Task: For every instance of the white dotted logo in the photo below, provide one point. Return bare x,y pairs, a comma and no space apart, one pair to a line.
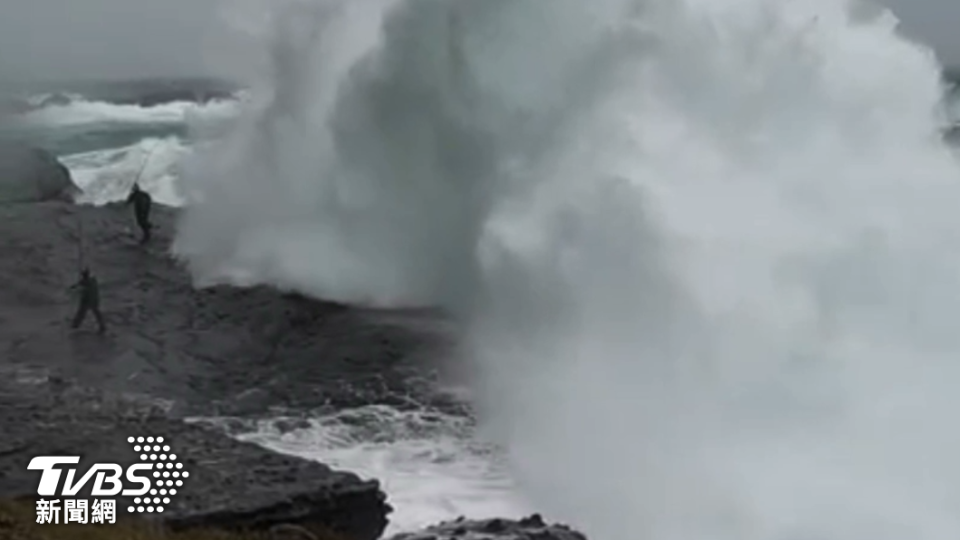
168,473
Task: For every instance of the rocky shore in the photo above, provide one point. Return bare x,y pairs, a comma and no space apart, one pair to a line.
172,351
529,528
215,351
231,485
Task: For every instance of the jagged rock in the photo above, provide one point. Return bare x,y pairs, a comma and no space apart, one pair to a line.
222,350
231,485
528,528
32,175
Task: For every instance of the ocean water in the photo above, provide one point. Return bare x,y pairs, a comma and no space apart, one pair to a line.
107,146
706,251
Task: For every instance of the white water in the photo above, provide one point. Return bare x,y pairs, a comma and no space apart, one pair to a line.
109,175
753,334
720,270
81,112
428,463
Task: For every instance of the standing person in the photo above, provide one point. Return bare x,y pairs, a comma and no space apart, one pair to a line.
89,300
141,208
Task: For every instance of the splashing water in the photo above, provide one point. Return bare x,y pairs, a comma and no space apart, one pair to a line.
708,251
108,175
427,462
107,146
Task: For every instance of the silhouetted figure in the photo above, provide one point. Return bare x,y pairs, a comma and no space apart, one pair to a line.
141,208
89,300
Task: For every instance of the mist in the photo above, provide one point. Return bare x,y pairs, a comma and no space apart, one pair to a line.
704,252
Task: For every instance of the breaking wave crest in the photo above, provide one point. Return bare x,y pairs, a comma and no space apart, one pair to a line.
707,250
107,145
108,175
81,112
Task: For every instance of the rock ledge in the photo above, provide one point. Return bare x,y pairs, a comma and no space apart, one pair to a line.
528,528
231,484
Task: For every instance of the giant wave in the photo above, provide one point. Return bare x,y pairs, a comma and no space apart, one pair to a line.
705,251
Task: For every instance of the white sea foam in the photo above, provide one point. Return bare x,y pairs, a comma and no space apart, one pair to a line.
429,464
720,299
108,175
79,112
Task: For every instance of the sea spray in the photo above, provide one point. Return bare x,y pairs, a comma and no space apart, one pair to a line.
707,252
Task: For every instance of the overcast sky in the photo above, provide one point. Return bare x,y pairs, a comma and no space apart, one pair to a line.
103,38
138,38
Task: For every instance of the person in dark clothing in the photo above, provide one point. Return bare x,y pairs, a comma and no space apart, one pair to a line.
89,300
141,208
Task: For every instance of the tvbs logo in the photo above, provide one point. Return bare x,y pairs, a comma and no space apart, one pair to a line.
158,475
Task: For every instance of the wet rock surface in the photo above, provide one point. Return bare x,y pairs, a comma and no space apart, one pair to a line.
217,351
528,528
230,484
172,351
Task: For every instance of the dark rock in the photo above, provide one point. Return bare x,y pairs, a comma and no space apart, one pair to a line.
495,526
287,531
533,520
531,528
217,351
231,485
32,175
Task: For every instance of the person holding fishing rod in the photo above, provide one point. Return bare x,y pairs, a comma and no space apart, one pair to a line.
89,300
89,287
141,203
141,209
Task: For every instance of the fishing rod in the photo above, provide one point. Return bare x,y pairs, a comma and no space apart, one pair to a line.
81,257
81,252
146,160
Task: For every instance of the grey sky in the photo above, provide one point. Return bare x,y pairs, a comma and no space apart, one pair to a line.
934,22
103,38
140,38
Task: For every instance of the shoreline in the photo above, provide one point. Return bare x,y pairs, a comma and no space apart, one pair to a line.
232,485
172,352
